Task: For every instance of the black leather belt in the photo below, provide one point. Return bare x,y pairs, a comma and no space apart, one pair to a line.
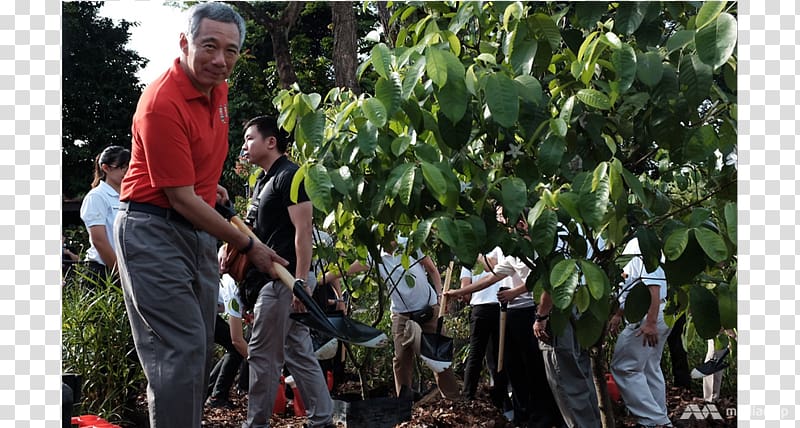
168,213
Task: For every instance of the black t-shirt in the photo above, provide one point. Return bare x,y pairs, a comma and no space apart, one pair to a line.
272,193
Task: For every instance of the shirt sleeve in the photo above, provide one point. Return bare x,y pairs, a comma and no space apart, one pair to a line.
93,210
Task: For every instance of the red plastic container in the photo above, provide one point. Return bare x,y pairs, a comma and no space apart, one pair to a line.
88,420
613,390
329,379
299,407
280,399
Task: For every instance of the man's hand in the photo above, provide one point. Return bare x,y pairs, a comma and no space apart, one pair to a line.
540,331
297,304
222,194
649,331
615,324
262,258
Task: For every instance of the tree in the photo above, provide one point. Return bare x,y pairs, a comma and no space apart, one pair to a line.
344,45
100,90
600,119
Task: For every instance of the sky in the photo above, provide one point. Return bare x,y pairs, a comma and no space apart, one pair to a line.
156,36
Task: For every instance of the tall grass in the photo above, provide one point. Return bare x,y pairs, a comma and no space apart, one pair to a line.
97,344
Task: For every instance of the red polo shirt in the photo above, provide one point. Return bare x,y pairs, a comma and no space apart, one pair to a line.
180,138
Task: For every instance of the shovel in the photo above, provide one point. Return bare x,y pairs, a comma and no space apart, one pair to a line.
335,325
436,349
501,345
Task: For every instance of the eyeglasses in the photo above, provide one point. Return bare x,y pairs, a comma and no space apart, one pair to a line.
118,166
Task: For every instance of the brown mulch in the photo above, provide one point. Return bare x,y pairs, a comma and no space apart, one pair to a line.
432,411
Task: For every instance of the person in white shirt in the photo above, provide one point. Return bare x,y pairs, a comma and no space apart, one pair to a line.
484,330
405,300
99,209
636,364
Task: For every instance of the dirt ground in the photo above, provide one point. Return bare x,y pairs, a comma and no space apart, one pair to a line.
436,412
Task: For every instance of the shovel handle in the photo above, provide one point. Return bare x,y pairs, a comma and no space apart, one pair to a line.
284,275
447,276
502,341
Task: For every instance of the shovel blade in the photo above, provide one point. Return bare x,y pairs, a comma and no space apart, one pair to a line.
436,350
343,328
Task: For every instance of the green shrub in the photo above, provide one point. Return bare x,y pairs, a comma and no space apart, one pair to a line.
97,344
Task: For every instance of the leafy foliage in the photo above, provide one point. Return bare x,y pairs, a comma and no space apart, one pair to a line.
609,117
97,344
100,90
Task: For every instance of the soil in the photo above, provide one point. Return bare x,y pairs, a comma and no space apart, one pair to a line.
432,411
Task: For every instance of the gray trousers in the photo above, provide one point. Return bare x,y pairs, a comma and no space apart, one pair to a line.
637,372
169,275
569,373
277,339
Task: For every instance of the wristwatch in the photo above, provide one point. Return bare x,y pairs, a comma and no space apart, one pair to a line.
542,317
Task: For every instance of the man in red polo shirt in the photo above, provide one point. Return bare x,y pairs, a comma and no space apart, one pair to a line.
166,230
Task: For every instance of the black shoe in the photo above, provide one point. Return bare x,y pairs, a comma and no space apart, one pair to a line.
220,403
711,366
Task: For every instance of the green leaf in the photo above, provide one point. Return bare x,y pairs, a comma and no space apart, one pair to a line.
650,248
676,243
558,126
562,293
342,180
522,56
367,137
512,10
679,40
401,181
389,91
543,232
545,26
629,16
562,271
715,43
412,76
702,144
529,89
596,280
633,182
713,244
649,69
704,308
381,58
730,221
318,186
550,153
455,135
624,60
708,12
582,299
514,197
589,329
453,99
311,131
502,99
593,205
698,216
637,303
297,181
594,98
728,310
375,112
400,145
697,77
434,180
436,65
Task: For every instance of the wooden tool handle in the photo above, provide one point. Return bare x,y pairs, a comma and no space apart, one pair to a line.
285,276
501,345
447,276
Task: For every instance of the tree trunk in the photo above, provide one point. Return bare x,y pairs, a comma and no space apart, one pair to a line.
345,59
279,33
599,370
389,31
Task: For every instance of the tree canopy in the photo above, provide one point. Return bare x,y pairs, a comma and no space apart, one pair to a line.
99,93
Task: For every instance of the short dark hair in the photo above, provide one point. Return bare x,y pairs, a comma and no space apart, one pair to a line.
267,126
216,12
